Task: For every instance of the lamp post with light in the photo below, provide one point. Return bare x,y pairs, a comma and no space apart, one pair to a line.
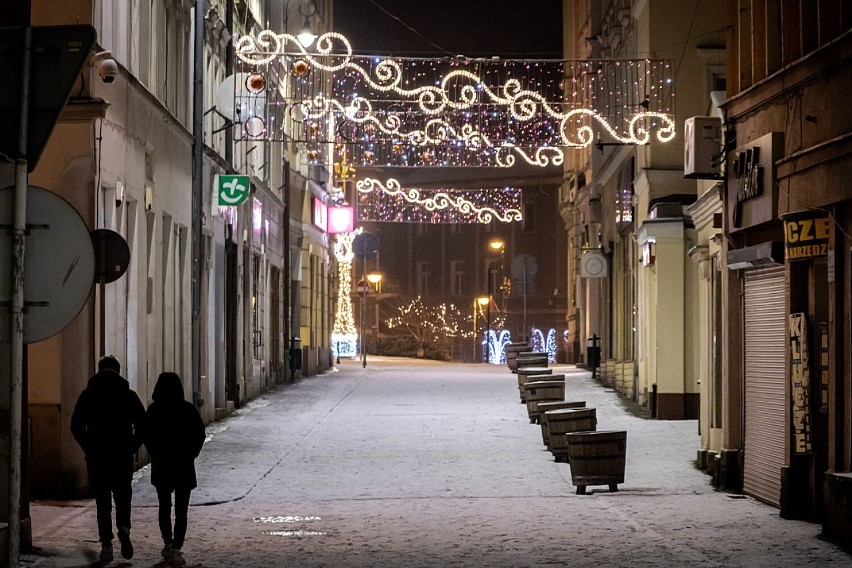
478,302
375,278
496,245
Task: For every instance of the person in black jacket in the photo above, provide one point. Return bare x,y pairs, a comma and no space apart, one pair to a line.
175,435
109,423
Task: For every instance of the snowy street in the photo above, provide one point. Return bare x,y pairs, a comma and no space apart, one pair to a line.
415,463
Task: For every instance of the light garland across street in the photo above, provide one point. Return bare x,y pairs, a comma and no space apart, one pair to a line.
389,201
393,111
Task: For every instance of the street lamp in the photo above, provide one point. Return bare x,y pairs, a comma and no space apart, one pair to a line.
496,244
478,302
375,278
306,35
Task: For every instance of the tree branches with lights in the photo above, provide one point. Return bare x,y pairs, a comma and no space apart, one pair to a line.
437,323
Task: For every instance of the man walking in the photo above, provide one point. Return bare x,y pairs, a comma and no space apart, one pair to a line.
108,423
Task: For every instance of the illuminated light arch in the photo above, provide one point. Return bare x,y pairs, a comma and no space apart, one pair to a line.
544,344
496,348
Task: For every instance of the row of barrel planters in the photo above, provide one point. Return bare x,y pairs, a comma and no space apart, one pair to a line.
568,428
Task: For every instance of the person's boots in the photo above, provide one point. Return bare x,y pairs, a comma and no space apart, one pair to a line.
106,553
126,545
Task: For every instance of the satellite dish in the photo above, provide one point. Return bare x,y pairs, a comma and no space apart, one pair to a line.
59,264
242,97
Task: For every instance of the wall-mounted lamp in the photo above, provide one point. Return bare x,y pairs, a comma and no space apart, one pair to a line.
306,35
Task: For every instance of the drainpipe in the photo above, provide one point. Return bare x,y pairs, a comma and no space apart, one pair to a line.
197,195
286,280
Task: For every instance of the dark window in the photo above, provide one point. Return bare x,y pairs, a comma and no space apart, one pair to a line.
529,216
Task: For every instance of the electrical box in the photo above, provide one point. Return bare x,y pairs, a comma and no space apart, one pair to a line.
702,144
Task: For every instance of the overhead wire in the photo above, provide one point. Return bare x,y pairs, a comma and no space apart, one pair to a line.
404,24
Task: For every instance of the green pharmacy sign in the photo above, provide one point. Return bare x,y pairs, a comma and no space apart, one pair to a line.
232,190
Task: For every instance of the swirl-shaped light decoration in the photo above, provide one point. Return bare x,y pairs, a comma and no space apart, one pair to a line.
597,96
435,205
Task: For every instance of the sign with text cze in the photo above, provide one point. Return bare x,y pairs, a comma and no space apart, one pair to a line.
805,235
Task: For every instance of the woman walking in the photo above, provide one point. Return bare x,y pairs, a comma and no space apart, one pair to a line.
175,435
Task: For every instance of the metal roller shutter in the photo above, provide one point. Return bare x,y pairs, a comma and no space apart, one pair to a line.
765,378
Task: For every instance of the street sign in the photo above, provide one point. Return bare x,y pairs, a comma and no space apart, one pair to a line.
58,56
232,190
59,265
112,255
362,288
365,246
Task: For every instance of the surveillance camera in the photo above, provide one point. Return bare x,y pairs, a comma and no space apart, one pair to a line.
107,67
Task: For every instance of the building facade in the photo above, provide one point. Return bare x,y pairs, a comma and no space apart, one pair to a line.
216,294
624,208
787,422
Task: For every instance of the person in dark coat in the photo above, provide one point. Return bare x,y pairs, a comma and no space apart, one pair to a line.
109,424
175,435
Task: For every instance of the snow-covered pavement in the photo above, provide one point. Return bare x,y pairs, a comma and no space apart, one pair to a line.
413,463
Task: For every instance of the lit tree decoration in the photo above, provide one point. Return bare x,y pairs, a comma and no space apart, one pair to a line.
389,201
437,112
344,336
429,323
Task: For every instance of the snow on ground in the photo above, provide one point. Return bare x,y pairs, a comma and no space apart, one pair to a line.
413,463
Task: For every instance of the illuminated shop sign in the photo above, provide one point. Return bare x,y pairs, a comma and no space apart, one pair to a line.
805,236
320,214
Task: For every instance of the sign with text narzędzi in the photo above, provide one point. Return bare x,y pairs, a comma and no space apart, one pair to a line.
232,189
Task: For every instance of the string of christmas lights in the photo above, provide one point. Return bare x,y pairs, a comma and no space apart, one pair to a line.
344,335
446,111
428,323
389,201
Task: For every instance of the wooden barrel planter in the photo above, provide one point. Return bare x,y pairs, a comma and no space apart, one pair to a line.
561,422
512,351
545,407
531,359
551,389
597,458
528,372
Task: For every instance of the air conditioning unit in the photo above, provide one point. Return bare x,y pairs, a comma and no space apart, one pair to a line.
702,140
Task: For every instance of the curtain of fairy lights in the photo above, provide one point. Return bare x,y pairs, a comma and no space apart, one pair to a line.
344,336
390,111
388,201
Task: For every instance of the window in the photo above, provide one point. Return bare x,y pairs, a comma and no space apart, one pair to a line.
456,277
422,277
529,216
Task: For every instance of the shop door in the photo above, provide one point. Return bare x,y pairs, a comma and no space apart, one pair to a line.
765,379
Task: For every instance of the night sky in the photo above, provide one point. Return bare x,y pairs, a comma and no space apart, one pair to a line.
483,28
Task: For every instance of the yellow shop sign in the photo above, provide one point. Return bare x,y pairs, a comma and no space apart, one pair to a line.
805,235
